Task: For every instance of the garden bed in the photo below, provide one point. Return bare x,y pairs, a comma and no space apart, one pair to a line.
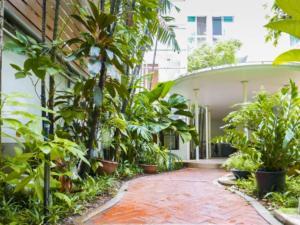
281,205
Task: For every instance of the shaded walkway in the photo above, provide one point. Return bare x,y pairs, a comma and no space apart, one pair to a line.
187,196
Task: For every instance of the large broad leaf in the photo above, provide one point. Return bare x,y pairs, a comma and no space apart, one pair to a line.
289,56
184,113
291,7
160,91
290,26
177,101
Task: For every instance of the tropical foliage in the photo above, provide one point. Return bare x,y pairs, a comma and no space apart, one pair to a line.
241,162
222,53
106,110
273,129
288,22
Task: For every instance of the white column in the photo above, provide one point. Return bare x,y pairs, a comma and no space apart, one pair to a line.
188,156
209,134
206,132
197,127
196,92
245,90
209,30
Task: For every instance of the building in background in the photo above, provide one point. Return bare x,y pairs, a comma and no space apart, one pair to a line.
202,21
213,91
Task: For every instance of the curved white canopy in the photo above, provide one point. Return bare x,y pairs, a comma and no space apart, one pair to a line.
220,88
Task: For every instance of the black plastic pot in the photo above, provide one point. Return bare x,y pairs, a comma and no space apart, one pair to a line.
240,174
268,181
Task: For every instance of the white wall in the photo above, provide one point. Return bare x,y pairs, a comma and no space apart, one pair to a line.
26,85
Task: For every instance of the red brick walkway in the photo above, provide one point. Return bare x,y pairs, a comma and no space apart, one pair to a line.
187,196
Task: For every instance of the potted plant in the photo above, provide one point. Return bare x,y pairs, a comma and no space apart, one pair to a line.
148,161
241,165
277,138
271,138
151,156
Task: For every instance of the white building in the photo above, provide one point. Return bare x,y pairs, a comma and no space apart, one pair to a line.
215,90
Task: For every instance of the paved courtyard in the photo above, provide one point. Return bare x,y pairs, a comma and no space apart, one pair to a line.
187,196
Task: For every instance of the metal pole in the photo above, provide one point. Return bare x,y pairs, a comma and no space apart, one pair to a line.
45,126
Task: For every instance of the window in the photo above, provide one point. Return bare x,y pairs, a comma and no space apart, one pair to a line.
228,19
217,25
191,19
170,140
201,25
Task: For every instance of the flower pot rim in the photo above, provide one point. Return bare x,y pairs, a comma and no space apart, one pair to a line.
269,172
108,161
144,164
238,170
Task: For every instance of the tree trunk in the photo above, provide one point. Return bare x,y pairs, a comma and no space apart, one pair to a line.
94,120
51,78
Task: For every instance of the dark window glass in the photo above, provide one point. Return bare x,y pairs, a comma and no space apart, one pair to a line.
217,25
170,140
201,25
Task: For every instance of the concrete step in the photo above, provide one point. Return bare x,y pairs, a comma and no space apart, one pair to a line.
214,163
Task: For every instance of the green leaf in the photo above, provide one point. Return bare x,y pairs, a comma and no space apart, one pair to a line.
289,26
13,46
291,7
288,137
160,91
46,149
64,198
20,186
16,67
28,64
289,56
184,113
20,75
12,122
38,189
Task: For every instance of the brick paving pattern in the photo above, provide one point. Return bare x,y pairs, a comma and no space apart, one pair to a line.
187,196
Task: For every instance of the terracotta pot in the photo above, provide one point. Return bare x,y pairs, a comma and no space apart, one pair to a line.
108,167
150,169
